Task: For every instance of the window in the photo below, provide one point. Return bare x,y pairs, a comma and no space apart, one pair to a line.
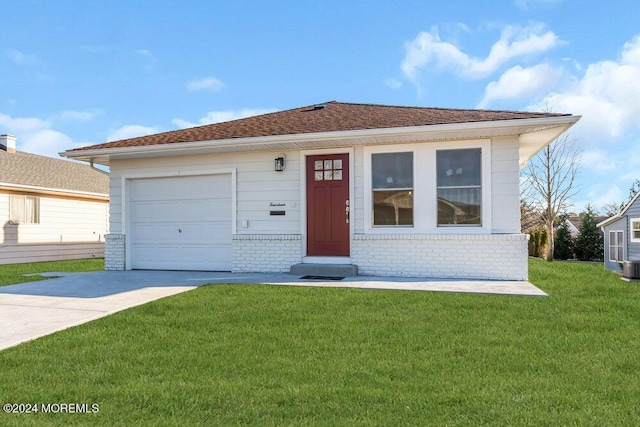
459,187
616,245
635,229
392,186
24,209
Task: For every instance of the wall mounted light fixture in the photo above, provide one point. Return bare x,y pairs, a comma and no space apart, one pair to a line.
279,163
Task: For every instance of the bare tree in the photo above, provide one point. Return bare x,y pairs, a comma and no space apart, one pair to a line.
549,181
529,217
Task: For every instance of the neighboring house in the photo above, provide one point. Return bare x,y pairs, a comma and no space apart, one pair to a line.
396,191
50,209
622,236
574,223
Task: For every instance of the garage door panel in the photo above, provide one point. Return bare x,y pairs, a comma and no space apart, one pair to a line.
153,233
180,223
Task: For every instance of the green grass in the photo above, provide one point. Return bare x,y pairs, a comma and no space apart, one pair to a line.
276,355
12,274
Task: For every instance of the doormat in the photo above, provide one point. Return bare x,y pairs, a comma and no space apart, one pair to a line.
321,278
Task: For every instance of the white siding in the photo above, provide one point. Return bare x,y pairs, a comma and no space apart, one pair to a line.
36,252
257,186
62,220
68,229
66,220
358,198
272,243
505,189
4,214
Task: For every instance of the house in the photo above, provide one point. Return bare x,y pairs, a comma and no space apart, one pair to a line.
395,191
574,222
50,209
622,236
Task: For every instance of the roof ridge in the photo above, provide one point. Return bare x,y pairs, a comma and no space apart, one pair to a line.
448,108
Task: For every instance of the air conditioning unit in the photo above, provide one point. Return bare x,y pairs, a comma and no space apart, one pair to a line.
631,270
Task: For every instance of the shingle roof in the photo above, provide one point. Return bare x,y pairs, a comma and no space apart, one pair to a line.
328,117
28,169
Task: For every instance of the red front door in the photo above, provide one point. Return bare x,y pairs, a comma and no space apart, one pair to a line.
328,205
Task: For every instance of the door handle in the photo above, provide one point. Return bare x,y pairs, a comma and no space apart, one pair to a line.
346,211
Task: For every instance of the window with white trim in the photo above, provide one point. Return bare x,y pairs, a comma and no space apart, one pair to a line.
616,245
459,187
24,209
392,188
634,225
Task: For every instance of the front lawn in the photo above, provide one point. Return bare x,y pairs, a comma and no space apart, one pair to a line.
12,274
277,355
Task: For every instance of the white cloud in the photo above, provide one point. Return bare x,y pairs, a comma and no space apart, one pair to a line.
393,83
607,95
211,84
223,116
36,136
131,131
46,142
598,160
151,59
76,116
601,194
427,50
530,4
20,58
519,82
21,125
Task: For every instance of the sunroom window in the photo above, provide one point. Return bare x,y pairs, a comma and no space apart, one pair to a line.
392,185
459,185
635,229
616,245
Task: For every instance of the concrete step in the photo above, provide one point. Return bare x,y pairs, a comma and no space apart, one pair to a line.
325,270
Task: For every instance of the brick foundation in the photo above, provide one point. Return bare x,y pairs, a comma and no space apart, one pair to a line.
494,256
114,252
265,253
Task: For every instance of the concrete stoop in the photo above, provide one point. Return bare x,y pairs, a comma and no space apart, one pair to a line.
324,270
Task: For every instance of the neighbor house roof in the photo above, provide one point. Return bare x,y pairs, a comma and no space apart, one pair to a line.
576,222
40,173
334,124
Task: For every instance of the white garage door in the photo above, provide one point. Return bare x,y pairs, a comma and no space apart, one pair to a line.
180,223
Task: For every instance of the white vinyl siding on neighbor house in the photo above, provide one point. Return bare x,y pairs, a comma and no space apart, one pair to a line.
616,245
61,220
68,228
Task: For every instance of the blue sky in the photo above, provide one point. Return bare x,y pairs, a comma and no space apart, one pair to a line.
76,73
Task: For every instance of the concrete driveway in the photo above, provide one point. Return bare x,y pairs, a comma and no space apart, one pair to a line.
32,310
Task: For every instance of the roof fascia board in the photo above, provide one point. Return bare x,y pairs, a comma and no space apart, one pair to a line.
631,202
535,124
608,221
52,191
